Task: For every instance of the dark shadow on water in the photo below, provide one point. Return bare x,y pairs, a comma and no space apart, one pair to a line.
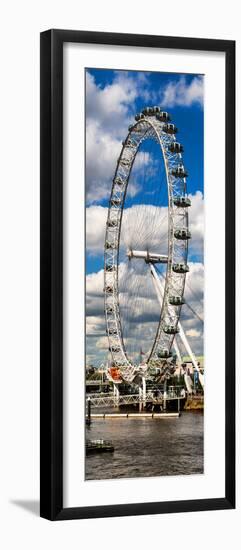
31,506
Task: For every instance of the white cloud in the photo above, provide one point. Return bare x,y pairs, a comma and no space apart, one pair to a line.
109,105
94,283
144,226
196,225
96,217
133,234
195,281
134,188
102,151
107,120
144,311
95,294
193,333
95,325
102,343
109,112
183,94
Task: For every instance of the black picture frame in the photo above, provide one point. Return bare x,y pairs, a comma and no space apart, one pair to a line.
51,323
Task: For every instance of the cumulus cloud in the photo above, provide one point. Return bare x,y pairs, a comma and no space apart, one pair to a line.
95,325
110,110
95,295
196,226
102,343
109,106
96,217
133,233
144,311
183,94
194,281
193,333
102,151
107,119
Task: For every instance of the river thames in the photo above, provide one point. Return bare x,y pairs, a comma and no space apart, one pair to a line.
147,447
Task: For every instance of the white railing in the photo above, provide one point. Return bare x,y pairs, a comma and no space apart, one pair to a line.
103,400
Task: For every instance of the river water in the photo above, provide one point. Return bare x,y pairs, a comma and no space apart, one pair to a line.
147,447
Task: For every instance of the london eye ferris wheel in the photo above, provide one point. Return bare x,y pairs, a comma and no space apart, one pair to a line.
146,245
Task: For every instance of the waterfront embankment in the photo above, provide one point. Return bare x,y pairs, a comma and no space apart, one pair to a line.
194,403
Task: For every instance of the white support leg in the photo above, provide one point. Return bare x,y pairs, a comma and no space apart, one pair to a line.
176,348
160,293
190,353
140,399
144,391
116,395
165,396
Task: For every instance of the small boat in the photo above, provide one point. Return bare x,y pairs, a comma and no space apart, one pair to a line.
99,446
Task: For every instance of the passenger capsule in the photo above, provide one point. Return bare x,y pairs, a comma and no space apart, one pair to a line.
114,349
119,181
170,129
128,143
139,116
170,329
111,331
176,300
183,202
112,223
179,172
115,202
180,268
175,147
108,289
109,267
125,162
110,245
163,116
164,354
182,234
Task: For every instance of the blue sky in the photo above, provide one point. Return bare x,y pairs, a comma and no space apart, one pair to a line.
188,118
112,100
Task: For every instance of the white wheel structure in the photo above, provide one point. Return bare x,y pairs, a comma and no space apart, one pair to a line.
151,124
